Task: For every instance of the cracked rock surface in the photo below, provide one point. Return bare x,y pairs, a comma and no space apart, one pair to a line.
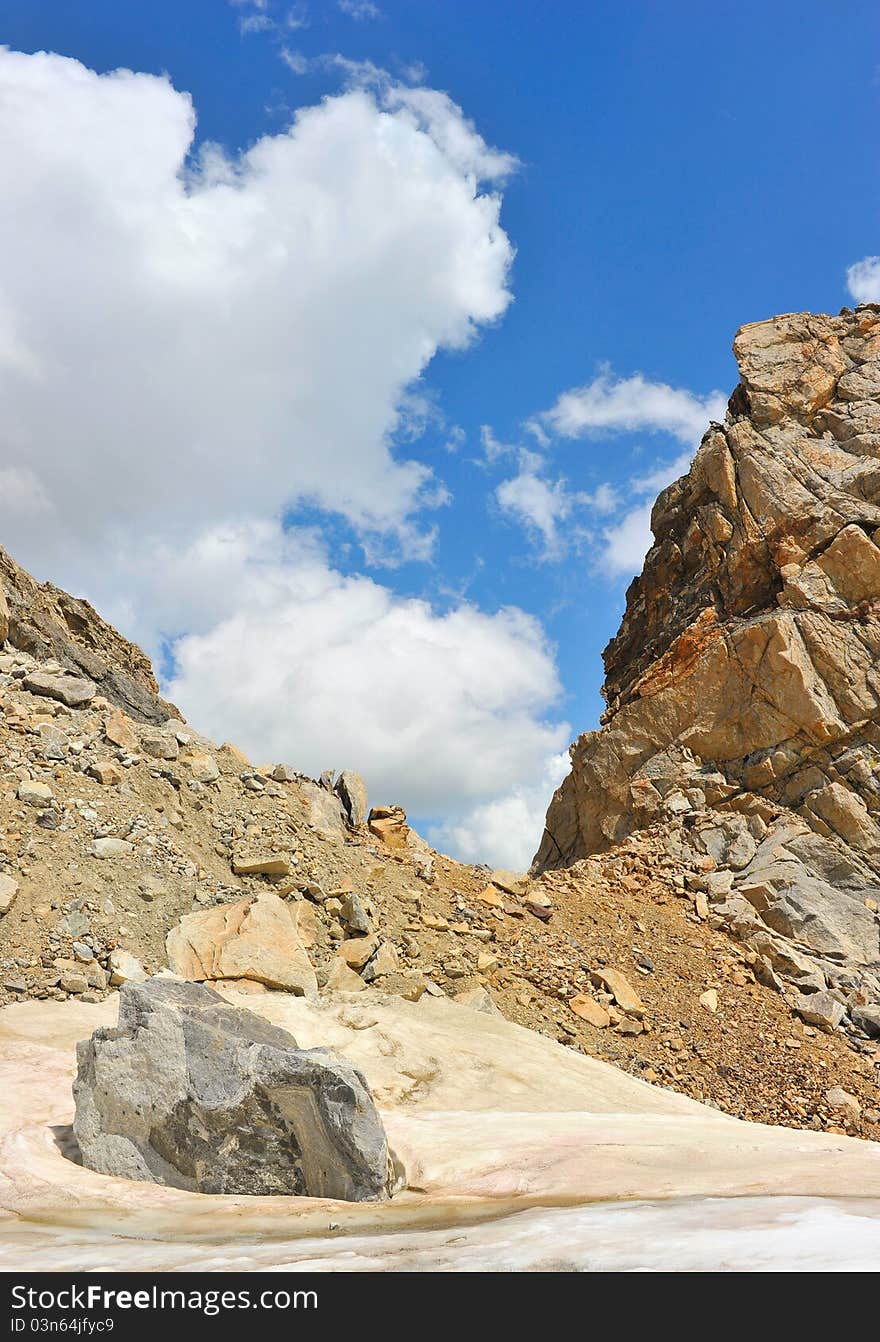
743,686
190,1092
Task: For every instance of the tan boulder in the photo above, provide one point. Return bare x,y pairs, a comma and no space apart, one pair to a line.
252,939
125,968
204,768
356,951
589,1010
120,731
621,990
260,862
341,978
388,823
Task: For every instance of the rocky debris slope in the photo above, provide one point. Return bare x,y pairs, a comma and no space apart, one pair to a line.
743,687
40,619
130,845
191,1092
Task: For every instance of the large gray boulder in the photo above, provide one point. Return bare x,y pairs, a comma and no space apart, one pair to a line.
191,1092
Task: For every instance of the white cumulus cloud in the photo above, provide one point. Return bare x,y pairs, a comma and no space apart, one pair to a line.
184,340
542,505
610,405
437,709
509,827
630,405
191,345
863,280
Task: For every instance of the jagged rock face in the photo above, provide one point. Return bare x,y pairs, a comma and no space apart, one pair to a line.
193,1093
46,622
745,674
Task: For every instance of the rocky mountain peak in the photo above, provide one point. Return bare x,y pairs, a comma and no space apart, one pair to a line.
794,464
743,686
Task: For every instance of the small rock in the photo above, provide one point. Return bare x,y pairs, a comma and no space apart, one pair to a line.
352,792
204,768
70,690
590,1011
73,983
867,1019
629,1027
511,882
709,1000
820,1009
35,794
252,863
354,915
388,823
477,999
159,745
621,990
107,772
356,951
75,924
385,961
120,731
152,888
343,979
54,743
125,968
8,891
109,847
841,1101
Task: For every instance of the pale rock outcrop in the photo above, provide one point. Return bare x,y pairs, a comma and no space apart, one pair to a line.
352,792
193,1093
743,686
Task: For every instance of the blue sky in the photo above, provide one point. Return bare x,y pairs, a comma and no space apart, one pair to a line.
674,171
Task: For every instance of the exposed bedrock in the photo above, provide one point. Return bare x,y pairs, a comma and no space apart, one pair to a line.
745,677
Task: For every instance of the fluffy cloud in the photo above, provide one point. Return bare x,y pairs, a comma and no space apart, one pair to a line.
863,280
193,345
184,340
511,824
625,544
542,505
606,520
609,406
631,405
436,709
